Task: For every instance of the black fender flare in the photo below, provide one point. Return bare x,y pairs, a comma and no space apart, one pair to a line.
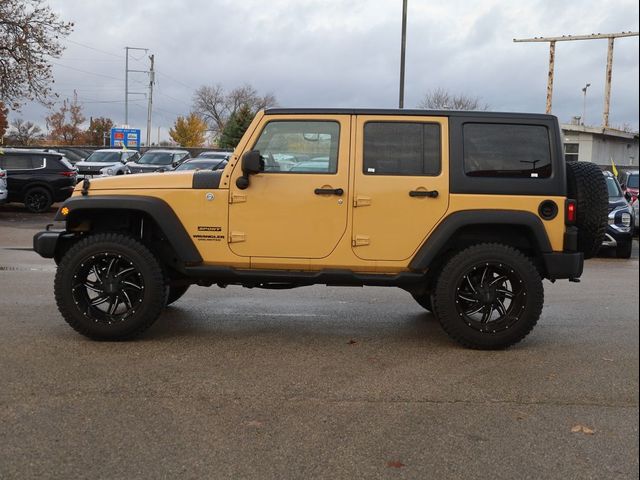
452,223
156,208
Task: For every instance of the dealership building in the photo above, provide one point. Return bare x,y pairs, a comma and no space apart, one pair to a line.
600,145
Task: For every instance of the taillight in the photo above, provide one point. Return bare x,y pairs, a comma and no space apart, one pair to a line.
571,212
68,173
2,174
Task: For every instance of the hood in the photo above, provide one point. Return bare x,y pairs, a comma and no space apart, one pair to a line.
172,180
96,164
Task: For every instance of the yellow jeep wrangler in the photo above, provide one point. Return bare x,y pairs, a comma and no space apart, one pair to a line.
467,211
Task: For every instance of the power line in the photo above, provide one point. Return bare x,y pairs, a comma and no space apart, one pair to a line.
86,71
95,49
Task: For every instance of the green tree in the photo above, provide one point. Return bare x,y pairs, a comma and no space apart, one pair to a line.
99,129
189,131
235,127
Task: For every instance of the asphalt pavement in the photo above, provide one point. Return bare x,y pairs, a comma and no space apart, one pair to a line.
315,382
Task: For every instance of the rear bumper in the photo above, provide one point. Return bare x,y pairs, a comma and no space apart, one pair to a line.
563,265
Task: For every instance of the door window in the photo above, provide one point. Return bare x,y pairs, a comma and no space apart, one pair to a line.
400,148
300,146
16,162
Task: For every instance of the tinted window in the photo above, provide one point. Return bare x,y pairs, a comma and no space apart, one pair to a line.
107,157
632,180
286,144
394,148
500,150
156,158
613,187
16,162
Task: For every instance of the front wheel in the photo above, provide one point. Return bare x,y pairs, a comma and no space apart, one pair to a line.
109,287
624,249
489,296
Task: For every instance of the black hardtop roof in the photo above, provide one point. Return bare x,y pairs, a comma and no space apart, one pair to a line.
30,151
396,111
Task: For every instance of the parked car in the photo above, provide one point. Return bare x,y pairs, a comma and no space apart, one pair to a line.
3,186
158,161
215,155
107,162
318,165
202,163
74,155
636,222
37,178
629,183
620,229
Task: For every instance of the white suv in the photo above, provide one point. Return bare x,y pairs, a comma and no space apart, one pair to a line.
106,162
3,186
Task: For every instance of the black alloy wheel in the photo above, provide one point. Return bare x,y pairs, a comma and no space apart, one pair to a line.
108,287
37,200
489,296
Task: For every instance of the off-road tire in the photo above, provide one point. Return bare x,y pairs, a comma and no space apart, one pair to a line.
38,200
587,186
176,292
530,296
624,249
151,299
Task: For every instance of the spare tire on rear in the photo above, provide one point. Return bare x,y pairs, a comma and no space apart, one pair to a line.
587,186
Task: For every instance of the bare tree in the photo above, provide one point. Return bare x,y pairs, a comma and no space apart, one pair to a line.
23,133
30,35
216,106
441,99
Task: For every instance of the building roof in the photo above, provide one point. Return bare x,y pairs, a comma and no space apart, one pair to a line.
609,132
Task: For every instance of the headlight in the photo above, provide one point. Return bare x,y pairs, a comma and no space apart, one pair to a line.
620,220
109,171
625,218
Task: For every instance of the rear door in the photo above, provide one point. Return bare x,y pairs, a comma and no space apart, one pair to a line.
401,184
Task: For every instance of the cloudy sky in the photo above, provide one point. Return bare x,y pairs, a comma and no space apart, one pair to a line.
339,53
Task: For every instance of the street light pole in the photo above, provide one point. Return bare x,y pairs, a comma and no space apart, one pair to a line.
402,52
584,102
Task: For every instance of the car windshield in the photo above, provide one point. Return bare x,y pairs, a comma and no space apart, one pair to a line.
632,181
105,157
613,187
156,158
221,156
200,165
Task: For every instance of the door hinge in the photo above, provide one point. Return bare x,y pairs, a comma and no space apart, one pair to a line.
235,237
237,197
360,240
361,201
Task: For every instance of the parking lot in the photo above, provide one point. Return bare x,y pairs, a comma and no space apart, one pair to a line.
315,382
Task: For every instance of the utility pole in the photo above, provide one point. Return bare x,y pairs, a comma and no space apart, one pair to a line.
151,82
567,38
584,102
403,46
127,93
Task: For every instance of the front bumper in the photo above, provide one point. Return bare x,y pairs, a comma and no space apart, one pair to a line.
614,237
562,265
50,242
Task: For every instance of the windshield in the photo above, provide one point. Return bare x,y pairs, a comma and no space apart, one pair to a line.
156,158
613,187
105,157
632,181
198,165
221,156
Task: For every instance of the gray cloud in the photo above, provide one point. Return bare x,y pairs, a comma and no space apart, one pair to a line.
335,53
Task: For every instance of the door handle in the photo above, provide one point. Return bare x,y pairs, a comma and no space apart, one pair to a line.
329,191
424,193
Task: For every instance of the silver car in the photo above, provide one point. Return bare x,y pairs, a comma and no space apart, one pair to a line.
106,162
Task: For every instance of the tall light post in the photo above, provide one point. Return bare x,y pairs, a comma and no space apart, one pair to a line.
403,45
584,101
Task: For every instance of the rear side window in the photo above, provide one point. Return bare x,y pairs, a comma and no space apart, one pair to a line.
399,148
506,150
16,162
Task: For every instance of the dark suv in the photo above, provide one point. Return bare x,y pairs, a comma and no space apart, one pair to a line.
37,178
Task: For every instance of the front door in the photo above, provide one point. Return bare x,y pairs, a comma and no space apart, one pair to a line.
401,184
297,207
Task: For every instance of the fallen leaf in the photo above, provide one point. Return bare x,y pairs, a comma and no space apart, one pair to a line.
352,342
582,428
576,429
587,430
395,464
607,359
253,423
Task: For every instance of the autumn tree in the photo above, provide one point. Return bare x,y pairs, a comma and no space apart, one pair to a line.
30,36
235,127
4,121
216,106
99,129
23,133
441,99
64,124
189,131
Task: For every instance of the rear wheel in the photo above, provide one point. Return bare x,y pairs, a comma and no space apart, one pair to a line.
489,296
38,200
109,287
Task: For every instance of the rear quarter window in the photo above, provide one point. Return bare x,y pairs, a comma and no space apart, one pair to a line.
506,150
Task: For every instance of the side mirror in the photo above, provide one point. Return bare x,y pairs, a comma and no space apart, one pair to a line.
252,163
